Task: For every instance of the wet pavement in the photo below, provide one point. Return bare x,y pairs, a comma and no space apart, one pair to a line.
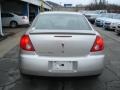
10,78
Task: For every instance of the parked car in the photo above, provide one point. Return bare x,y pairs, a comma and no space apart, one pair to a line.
111,24
99,21
61,47
102,18
91,17
13,20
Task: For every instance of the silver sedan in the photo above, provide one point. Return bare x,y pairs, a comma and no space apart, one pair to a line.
61,44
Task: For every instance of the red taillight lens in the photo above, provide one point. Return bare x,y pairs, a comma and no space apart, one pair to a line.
26,44
98,44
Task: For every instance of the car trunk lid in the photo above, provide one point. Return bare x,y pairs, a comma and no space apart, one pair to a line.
63,43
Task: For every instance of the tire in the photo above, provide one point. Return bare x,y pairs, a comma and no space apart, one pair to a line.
118,34
13,24
25,78
106,29
95,76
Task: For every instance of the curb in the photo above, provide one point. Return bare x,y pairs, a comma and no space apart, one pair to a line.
6,35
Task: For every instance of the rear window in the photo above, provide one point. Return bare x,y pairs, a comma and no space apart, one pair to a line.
6,15
61,21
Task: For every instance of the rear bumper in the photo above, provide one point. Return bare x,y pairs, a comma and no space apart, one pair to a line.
36,65
24,22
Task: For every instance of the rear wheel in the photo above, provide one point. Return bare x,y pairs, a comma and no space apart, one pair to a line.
95,76
13,24
25,77
118,34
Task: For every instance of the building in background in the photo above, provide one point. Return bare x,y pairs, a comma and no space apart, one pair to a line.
66,7
28,8
54,5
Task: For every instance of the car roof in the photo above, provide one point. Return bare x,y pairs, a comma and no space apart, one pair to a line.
61,12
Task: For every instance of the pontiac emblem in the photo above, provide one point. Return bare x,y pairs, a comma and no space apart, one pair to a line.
62,45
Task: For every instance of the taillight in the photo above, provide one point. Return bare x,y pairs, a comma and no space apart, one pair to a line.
98,44
26,44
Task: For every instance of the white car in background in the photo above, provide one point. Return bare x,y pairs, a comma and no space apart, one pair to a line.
102,18
13,20
91,15
99,21
111,24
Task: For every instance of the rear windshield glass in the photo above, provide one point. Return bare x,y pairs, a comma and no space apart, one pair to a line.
61,21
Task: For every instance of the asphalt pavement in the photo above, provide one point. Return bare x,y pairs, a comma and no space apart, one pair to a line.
12,39
109,80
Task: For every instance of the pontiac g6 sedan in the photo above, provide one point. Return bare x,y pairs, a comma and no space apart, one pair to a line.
61,44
